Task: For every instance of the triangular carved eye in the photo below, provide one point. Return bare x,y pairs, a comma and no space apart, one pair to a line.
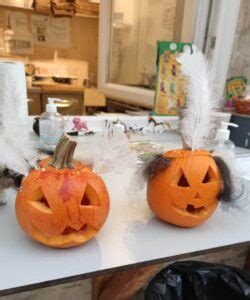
85,200
90,196
183,181
44,202
209,176
40,202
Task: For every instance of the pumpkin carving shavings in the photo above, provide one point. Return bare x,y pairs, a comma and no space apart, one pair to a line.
186,192
63,203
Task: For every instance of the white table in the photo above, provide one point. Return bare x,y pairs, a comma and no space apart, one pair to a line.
131,236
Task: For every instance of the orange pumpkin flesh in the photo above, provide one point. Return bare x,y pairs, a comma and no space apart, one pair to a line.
62,207
185,193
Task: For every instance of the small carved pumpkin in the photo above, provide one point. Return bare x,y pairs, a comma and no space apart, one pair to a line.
186,192
62,204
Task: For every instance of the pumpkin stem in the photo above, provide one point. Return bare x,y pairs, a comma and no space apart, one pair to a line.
64,152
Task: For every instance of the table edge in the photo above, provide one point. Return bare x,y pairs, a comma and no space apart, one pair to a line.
73,278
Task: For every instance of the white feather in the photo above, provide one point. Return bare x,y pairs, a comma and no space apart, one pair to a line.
15,146
197,124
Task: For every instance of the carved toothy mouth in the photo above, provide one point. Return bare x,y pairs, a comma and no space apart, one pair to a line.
69,230
71,237
190,209
194,210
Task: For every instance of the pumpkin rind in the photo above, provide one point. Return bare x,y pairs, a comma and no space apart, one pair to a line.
191,202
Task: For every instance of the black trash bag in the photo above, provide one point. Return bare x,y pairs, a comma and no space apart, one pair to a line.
194,280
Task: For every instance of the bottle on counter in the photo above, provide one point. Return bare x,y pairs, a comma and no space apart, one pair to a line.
51,126
223,147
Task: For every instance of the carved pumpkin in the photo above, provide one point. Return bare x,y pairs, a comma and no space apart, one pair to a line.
62,204
186,192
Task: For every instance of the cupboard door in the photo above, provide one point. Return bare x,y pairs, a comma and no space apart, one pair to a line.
69,104
34,104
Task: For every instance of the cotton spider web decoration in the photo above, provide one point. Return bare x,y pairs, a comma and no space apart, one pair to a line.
17,151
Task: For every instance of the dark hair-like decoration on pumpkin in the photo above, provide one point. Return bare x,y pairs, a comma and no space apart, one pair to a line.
10,178
226,194
154,165
229,192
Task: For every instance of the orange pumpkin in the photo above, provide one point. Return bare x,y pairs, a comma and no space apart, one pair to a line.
186,192
63,203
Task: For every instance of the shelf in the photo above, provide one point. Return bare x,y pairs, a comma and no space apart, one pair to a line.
11,57
27,9
19,8
86,16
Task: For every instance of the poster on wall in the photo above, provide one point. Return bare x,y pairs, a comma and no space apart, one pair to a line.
170,85
21,41
50,32
18,22
21,44
40,29
60,32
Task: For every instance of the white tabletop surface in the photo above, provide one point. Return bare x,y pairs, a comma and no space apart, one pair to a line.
131,235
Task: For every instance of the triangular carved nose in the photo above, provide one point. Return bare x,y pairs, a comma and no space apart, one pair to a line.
69,229
197,196
76,225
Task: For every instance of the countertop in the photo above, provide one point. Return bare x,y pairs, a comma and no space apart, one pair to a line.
132,236
57,88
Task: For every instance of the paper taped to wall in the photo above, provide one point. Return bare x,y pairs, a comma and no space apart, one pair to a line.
18,22
20,41
40,28
21,44
50,32
60,32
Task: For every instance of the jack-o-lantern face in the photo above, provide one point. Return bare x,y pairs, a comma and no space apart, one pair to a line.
62,207
186,192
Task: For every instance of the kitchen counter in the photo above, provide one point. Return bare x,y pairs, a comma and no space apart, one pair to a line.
57,88
131,237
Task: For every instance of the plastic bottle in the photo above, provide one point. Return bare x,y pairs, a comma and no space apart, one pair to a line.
51,126
223,146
